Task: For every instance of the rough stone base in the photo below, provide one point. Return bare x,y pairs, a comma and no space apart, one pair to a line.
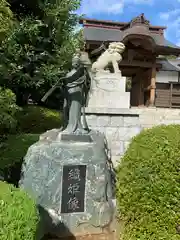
42,177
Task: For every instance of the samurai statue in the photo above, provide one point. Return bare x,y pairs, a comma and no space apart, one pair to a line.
75,86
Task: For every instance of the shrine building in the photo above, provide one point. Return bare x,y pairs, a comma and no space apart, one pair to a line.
154,79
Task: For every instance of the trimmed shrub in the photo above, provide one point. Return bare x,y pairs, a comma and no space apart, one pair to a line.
12,153
148,186
8,110
35,119
18,214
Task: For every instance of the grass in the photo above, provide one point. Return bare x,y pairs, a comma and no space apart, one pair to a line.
15,147
32,121
18,214
36,119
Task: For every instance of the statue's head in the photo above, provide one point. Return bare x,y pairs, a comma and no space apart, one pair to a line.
76,61
116,47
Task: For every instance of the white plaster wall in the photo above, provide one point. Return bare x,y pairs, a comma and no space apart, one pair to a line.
166,76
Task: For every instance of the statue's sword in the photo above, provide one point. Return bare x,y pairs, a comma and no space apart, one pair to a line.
51,90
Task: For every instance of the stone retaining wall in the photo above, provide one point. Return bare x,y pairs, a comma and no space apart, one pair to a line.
120,125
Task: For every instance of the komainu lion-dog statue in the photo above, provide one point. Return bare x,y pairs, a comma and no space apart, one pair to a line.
112,55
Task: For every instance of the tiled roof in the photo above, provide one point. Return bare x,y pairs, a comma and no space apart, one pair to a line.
87,21
169,65
101,34
161,41
104,34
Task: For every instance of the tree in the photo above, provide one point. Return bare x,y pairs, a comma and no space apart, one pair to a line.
39,49
6,17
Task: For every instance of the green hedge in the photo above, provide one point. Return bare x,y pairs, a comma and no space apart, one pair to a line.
148,186
35,119
8,111
18,214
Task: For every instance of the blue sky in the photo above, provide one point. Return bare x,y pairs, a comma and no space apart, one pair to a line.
165,13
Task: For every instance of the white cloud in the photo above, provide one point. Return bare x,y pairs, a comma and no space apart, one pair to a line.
143,1
116,8
178,44
164,16
172,21
90,7
167,15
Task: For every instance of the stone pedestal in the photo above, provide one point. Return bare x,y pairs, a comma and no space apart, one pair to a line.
108,90
72,184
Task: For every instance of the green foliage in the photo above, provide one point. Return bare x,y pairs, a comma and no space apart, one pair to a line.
32,120
171,57
18,214
148,188
35,119
39,49
6,17
14,149
8,109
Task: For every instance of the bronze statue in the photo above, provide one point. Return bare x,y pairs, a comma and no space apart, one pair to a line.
75,92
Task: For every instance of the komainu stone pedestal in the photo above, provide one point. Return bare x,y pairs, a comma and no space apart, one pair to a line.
108,90
72,184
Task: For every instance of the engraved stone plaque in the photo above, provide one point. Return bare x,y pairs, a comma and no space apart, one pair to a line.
73,188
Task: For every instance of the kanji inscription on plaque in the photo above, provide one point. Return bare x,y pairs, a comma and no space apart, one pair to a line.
73,188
